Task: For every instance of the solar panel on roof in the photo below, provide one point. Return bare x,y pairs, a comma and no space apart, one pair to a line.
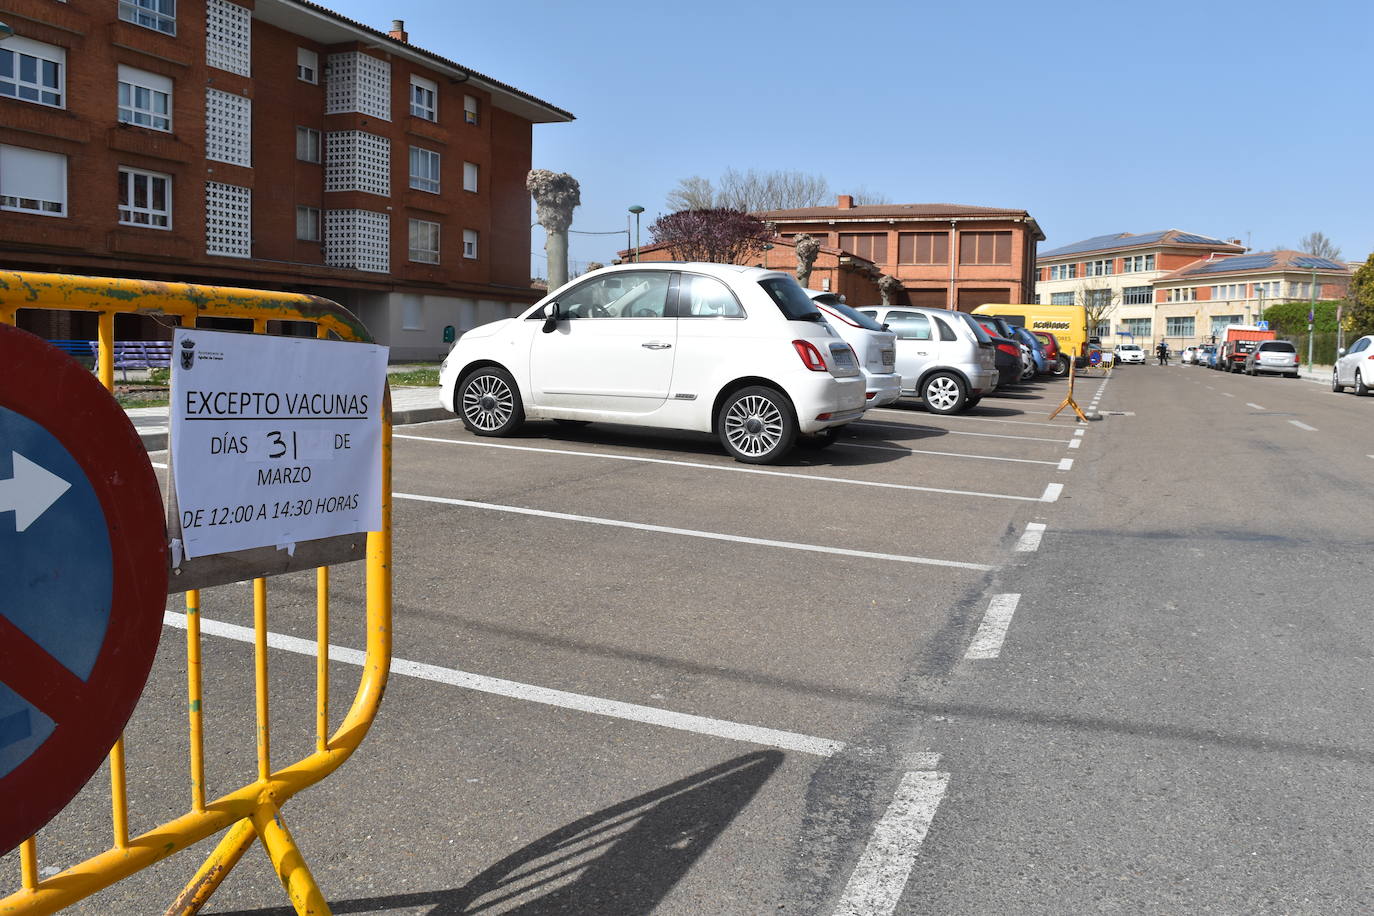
1312,262
1188,238
1242,262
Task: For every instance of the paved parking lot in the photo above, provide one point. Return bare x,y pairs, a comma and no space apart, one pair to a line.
635,676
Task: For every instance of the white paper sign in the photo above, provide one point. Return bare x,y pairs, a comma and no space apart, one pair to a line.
275,440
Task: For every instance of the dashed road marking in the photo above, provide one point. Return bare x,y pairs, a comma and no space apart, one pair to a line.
650,715
992,632
1300,425
1227,394
712,535
1066,464
1030,538
1052,492
1251,404
1079,432
879,879
1075,443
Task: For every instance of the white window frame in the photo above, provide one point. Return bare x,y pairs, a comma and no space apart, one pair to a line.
309,139
308,66
128,212
424,241
153,11
470,176
16,48
470,111
1174,326
141,113
40,206
424,98
470,239
425,169
309,220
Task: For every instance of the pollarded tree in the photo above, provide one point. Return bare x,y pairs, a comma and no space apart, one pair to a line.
720,236
556,195
808,249
889,286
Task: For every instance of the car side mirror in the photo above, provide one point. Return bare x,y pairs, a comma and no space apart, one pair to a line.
551,316
1340,351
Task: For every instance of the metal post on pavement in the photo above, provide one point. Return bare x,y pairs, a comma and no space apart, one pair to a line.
1311,317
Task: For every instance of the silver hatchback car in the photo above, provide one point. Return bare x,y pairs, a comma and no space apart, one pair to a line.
944,357
1273,357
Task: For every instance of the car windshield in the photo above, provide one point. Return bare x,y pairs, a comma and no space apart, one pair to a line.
978,332
1279,346
791,299
849,315
1129,347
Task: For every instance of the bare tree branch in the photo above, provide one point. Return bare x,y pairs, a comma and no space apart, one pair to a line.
1316,243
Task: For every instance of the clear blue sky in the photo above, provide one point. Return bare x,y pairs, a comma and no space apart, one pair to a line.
1247,120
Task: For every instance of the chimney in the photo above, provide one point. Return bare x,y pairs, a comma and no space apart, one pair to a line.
1235,241
846,202
398,31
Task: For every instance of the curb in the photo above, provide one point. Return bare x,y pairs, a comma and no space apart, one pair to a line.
157,441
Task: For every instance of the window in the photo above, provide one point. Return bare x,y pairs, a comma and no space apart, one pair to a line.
1137,327
308,224
1101,268
307,144
1137,263
1063,271
307,65
1036,299
1188,294
870,245
470,109
424,241
1061,298
1270,290
923,248
985,248
628,294
412,312
424,170
32,71
1136,295
705,297
469,176
145,199
908,325
1302,290
145,99
469,243
1180,326
1219,323
158,15
424,98
33,181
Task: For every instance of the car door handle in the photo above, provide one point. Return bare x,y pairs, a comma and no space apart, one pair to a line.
656,345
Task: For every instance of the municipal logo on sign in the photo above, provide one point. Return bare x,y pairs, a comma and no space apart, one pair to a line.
84,560
188,353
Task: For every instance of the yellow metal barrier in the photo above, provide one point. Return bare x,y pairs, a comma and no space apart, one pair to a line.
253,810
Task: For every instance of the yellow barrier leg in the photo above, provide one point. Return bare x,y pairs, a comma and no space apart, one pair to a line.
215,869
290,864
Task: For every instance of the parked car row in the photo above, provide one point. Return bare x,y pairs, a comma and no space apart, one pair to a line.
740,352
1253,357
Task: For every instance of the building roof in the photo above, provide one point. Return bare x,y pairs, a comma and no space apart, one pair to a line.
874,212
303,17
1118,240
1256,262
858,261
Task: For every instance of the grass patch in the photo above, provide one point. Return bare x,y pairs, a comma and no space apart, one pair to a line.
142,395
419,378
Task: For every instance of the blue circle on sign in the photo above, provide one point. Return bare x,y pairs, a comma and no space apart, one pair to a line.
58,569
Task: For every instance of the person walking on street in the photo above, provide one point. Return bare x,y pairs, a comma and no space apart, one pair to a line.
1162,351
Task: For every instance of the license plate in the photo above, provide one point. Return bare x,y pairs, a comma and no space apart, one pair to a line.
844,358
889,358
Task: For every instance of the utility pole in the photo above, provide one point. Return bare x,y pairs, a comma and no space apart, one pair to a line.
1311,317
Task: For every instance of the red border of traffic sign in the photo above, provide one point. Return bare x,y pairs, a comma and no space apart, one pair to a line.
58,393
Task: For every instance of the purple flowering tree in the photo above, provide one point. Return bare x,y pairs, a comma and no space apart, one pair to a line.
721,236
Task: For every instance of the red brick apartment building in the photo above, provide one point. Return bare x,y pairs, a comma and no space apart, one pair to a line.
994,250
263,143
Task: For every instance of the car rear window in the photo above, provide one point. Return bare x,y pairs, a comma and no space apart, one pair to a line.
978,332
791,299
1281,346
852,316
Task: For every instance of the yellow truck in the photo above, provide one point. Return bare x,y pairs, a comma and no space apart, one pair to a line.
1068,324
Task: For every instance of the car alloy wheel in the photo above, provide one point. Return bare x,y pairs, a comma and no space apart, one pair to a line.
1336,381
944,393
490,404
757,426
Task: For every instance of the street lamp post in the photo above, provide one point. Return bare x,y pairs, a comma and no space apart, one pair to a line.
636,210
1311,317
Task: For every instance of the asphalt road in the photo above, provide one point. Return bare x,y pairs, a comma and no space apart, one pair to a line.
967,665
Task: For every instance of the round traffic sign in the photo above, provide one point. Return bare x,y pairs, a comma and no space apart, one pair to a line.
83,555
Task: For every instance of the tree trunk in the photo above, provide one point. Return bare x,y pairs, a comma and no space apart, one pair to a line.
556,247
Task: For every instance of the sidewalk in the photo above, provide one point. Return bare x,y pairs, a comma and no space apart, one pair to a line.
408,405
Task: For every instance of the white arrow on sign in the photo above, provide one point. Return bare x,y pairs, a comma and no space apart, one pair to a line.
30,492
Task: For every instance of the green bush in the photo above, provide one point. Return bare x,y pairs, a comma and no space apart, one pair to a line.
1291,317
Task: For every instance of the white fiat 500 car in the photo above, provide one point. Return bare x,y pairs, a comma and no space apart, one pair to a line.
875,347
740,352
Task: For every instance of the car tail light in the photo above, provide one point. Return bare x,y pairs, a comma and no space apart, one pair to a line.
824,416
870,395
810,356
1009,350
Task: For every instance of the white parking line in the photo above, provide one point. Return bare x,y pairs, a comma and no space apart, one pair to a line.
1030,538
1075,443
1066,464
1256,406
992,632
963,416
876,885
1299,425
1227,394
1052,492
708,535
921,451
1079,432
650,715
699,465
953,432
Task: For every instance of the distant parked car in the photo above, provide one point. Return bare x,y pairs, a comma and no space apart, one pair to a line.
740,352
1043,366
944,357
1129,353
875,346
1273,357
1207,356
1011,362
1352,364
1188,356
1059,360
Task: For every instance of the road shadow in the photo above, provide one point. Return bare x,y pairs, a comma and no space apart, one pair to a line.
623,859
